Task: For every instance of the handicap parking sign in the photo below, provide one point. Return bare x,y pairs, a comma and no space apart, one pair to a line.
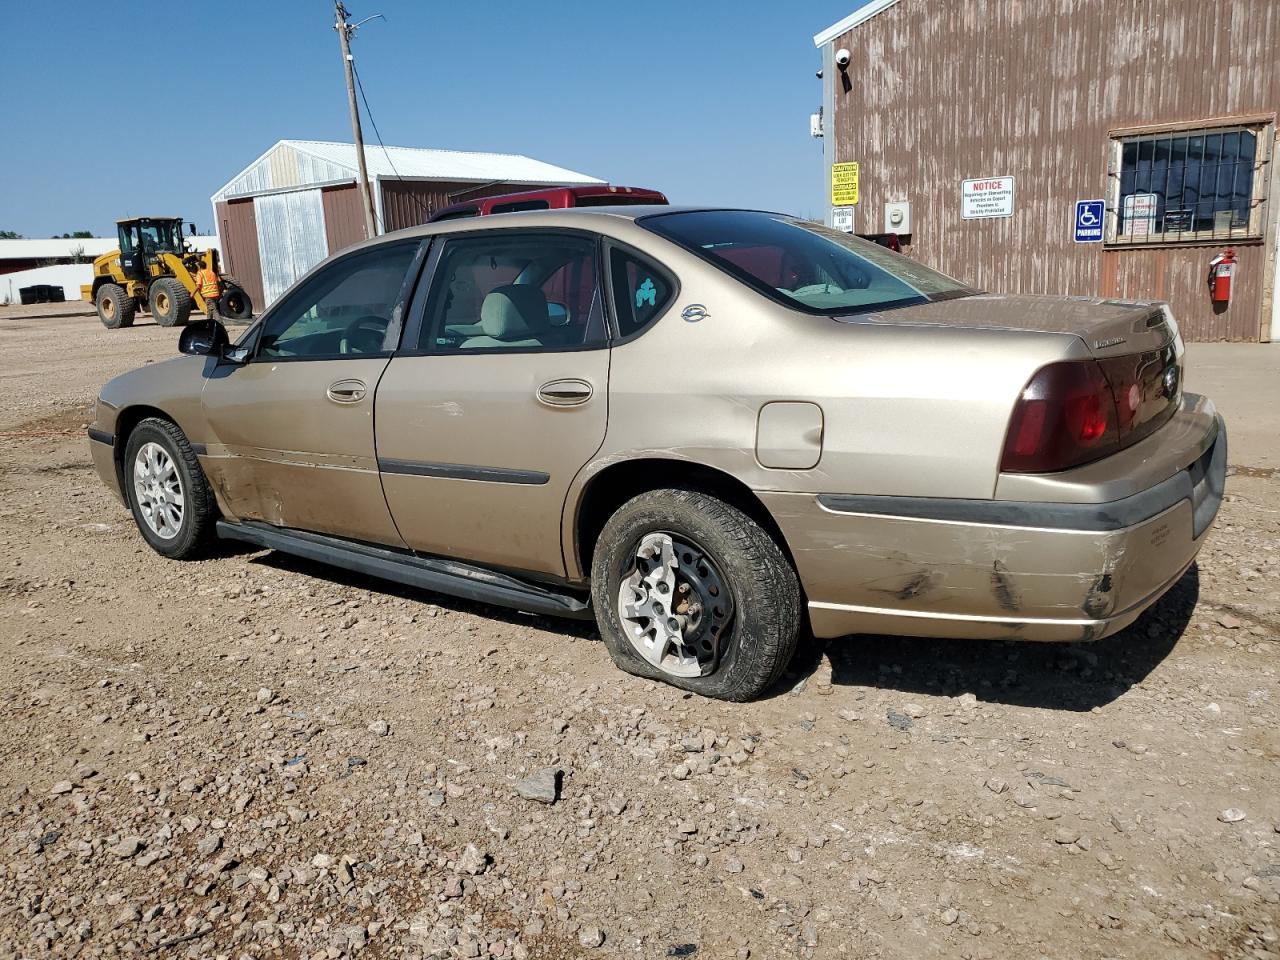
1089,214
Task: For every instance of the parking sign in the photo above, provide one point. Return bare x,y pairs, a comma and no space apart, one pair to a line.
1089,214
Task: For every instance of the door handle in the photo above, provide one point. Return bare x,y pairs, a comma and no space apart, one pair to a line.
565,393
346,391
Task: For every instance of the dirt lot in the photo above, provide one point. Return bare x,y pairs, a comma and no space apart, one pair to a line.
254,756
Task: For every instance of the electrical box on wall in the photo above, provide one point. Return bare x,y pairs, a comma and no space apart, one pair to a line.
897,217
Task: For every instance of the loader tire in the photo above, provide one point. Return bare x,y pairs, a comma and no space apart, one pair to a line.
170,302
235,304
116,308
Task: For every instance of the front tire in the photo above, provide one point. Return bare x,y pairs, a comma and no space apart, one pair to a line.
690,590
170,302
116,308
168,494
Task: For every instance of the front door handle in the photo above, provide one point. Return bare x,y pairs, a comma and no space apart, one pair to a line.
565,393
346,391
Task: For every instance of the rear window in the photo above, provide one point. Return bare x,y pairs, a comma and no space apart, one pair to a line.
515,206
456,214
805,265
616,200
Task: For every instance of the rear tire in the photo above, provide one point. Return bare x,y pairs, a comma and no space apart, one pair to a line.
170,302
167,491
235,304
758,642
116,308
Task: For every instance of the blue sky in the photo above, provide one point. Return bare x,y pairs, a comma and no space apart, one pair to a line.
143,108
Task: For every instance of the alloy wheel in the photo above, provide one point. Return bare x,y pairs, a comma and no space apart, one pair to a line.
675,605
157,487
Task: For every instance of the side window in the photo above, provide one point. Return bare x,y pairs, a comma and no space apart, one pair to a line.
514,291
343,311
640,291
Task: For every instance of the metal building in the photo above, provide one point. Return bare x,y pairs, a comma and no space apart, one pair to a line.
298,202
1108,148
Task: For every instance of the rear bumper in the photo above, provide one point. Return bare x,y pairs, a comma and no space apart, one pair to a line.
997,568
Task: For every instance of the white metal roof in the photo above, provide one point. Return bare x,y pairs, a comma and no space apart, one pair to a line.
88,247
300,163
55,249
861,15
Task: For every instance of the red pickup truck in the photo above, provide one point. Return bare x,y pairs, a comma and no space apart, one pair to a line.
550,198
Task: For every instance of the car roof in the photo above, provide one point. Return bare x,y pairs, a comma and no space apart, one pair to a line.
583,218
564,216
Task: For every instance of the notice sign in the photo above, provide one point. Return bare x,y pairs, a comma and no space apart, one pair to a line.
988,197
1089,215
844,184
842,218
1139,214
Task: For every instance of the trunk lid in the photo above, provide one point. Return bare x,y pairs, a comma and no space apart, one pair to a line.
1135,342
1109,327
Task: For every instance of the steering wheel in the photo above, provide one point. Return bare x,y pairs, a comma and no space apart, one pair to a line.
363,335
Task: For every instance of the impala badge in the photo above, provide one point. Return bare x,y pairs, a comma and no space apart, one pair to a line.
694,312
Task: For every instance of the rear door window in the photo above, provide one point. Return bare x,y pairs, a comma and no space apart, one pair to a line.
512,290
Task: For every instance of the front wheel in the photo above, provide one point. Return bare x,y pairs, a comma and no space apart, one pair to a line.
690,590
167,490
170,302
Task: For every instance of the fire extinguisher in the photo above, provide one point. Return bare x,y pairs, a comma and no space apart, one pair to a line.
1222,270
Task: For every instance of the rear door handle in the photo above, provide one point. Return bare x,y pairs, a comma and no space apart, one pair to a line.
346,391
565,393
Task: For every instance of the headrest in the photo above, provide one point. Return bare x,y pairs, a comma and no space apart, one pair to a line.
514,312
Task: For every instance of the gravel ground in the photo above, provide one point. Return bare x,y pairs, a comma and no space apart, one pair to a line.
254,756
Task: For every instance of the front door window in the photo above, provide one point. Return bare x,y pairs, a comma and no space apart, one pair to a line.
344,310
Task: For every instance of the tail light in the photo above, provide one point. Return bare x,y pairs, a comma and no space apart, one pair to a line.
1065,416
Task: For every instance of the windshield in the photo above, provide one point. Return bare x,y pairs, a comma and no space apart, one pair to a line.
805,265
161,235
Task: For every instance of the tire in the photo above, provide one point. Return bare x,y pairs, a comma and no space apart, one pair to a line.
170,302
191,534
116,308
234,304
760,638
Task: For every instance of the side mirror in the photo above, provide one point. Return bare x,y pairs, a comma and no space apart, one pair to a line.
206,338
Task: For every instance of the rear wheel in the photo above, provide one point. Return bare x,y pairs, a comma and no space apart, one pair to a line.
167,490
115,307
170,302
235,304
690,590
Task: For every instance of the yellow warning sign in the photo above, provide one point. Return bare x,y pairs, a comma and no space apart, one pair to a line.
844,184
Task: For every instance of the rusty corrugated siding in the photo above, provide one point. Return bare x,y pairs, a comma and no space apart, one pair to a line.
343,216
407,203
943,92
238,228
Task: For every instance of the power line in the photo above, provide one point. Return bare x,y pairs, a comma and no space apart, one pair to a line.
385,152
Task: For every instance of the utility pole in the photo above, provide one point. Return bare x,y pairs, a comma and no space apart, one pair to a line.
345,30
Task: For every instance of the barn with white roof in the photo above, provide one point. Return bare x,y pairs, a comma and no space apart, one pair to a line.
298,202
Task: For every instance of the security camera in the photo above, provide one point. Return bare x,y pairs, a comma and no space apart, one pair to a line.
843,57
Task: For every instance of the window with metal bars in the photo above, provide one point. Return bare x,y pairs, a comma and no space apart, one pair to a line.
1191,185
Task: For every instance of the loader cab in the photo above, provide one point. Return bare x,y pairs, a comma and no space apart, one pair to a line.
142,238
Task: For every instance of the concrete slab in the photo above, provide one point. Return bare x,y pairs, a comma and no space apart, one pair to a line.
1244,381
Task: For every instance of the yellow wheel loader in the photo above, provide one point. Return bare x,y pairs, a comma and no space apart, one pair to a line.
154,270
